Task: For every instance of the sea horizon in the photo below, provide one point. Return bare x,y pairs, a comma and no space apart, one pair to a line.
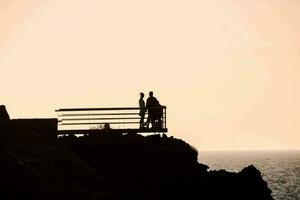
245,150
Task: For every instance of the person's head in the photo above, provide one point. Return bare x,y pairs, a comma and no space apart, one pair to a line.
142,95
151,94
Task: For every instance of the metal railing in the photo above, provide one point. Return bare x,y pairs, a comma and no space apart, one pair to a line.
121,118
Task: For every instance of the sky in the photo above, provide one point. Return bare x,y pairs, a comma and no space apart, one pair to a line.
227,70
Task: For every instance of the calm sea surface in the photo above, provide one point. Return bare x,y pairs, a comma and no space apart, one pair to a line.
281,169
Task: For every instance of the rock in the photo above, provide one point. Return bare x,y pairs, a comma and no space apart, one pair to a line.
256,182
4,117
4,125
167,168
35,164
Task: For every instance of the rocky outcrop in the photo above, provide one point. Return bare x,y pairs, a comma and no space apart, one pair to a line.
120,167
4,117
35,164
166,167
4,125
48,173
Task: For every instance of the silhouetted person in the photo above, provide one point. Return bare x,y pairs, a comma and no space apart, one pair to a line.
152,106
142,109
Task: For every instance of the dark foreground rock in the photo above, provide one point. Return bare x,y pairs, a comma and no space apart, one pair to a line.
4,117
165,167
120,167
111,166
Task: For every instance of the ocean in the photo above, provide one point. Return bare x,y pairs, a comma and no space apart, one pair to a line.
281,169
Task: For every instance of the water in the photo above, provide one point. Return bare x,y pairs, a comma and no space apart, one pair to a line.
281,169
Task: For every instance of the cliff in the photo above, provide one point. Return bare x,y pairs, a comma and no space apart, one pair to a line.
112,166
165,167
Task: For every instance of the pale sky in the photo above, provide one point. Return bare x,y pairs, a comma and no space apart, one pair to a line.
228,70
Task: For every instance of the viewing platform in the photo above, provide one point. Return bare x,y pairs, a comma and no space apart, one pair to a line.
106,120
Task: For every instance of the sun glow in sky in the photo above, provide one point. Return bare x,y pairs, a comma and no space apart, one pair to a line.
227,70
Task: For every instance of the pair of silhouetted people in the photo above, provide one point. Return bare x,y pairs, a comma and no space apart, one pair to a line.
154,111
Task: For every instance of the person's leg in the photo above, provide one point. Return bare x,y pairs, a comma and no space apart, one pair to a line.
152,120
159,124
142,120
147,121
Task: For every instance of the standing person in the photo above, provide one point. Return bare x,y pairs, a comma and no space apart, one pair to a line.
142,109
151,105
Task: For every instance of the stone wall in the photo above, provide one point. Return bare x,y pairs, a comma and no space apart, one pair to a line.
28,131
33,131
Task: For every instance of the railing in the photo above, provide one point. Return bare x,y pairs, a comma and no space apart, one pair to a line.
122,118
